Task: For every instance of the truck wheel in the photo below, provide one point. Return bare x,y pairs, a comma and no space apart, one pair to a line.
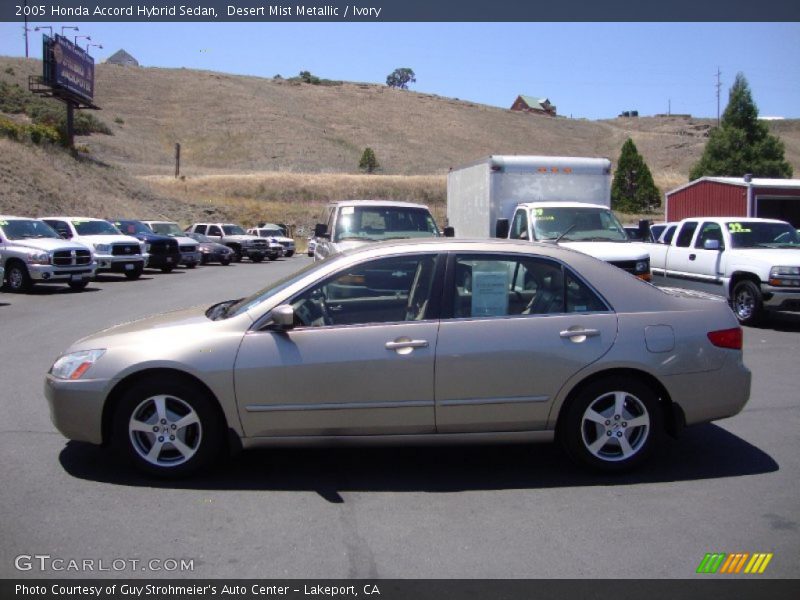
167,269
135,274
237,253
191,265
290,253
225,261
273,257
17,278
613,424
78,286
167,427
747,302
257,258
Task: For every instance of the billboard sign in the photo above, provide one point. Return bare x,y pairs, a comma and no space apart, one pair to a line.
70,68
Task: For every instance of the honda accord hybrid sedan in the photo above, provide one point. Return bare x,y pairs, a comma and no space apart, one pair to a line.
411,342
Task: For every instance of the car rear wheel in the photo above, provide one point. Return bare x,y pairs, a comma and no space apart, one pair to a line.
747,302
225,261
613,424
17,278
167,269
167,427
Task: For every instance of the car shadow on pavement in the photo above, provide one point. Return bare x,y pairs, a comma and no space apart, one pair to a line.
121,278
702,452
783,321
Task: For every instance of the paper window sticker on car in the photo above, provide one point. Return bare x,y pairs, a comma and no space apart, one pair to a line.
737,228
489,293
3,223
348,210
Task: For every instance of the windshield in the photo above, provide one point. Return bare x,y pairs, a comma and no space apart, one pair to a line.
383,223
244,304
133,228
755,234
579,223
167,229
24,229
233,230
95,228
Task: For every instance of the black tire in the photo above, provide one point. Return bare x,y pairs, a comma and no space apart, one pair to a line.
273,257
151,448
191,265
624,412
257,258
135,274
237,253
290,254
203,259
17,278
747,302
225,261
78,286
167,269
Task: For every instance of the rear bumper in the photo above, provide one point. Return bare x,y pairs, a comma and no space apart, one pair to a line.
711,395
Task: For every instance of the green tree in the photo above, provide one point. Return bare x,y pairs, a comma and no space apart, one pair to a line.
400,78
633,189
742,144
368,161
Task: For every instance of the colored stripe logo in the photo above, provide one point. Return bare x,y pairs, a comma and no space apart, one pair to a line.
737,562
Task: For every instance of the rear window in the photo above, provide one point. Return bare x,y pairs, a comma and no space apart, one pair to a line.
686,234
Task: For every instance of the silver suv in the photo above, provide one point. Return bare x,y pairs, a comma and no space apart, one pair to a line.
32,252
350,223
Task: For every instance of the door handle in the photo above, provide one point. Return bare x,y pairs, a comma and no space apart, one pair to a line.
401,344
579,333
692,256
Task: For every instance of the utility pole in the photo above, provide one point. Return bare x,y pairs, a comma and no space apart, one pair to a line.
719,85
26,28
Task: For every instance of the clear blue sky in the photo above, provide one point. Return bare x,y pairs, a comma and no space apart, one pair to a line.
590,70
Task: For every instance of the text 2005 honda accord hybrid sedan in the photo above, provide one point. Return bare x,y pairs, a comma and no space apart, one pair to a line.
411,342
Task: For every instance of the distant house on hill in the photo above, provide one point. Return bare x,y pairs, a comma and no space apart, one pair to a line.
120,57
534,104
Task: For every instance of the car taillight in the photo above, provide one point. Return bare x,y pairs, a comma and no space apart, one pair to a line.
727,338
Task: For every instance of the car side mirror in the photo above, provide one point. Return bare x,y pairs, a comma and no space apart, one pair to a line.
711,245
501,228
283,317
449,232
321,230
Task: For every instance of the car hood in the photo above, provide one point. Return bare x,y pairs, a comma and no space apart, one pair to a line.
609,251
789,257
242,238
184,241
48,244
350,244
106,239
163,328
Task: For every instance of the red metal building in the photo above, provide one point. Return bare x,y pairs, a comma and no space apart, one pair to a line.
736,197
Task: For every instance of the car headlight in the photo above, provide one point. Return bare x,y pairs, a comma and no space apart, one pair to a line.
785,276
74,365
103,248
39,258
642,266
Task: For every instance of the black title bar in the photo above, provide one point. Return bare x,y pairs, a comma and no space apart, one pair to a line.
399,10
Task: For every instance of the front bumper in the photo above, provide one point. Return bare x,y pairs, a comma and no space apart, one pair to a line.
780,298
121,263
158,261
51,273
190,258
76,407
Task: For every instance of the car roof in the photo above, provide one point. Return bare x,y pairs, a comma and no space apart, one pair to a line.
396,203
543,204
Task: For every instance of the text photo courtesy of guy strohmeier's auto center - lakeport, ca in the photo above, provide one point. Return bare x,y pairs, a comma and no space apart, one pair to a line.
420,311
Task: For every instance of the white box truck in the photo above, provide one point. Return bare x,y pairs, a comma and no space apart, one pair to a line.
543,198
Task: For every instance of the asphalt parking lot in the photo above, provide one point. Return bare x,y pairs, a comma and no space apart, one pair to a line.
460,512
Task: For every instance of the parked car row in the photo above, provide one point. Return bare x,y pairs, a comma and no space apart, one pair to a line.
73,250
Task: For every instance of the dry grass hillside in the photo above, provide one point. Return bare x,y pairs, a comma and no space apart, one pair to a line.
256,148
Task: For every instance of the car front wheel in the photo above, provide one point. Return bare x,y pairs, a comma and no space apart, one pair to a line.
613,424
747,302
167,428
135,273
17,278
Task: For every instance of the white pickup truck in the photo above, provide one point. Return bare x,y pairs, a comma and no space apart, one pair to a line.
755,263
